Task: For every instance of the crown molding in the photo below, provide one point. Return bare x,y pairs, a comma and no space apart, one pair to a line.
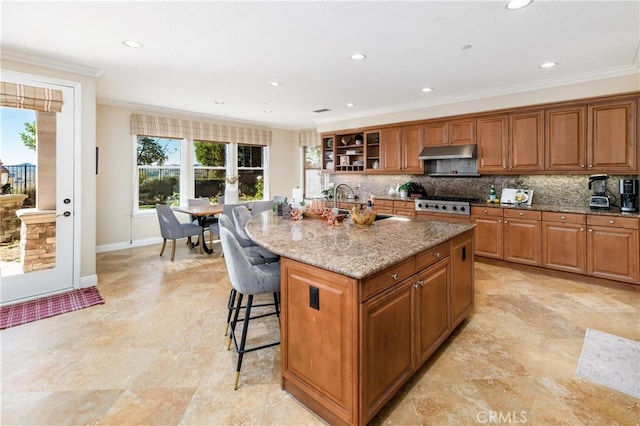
483,94
13,55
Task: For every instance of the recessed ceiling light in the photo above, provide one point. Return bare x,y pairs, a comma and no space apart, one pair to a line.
427,89
517,4
467,47
351,105
132,44
358,56
548,65
218,102
274,84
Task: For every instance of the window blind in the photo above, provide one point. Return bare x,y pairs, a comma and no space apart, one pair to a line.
29,97
308,138
165,127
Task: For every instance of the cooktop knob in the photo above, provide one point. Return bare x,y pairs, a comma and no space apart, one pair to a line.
444,207
454,208
462,209
436,206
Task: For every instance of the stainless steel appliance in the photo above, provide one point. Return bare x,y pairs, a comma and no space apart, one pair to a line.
599,199
449,205
629,189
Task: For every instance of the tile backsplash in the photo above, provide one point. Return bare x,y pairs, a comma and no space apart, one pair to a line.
547,189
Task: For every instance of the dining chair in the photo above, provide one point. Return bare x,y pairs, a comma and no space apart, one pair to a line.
227,210
248,280
172,229
209,223
261,206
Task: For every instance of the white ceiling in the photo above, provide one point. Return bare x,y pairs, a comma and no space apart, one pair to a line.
198,52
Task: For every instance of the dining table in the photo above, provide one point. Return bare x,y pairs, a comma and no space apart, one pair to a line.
200,212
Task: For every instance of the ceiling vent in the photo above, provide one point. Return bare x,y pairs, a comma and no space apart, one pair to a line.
321,110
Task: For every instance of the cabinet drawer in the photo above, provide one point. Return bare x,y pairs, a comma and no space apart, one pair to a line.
523,214
614,221
429,257
486,211
564,217
404,205
383,203
405,212
387,278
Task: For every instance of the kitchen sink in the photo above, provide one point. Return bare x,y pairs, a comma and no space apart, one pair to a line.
379,216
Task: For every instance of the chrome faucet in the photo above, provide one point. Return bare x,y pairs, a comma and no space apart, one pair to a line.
335,193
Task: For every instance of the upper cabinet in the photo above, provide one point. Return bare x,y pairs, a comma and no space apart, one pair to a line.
589,136
611,143
566,139
454,132
401,147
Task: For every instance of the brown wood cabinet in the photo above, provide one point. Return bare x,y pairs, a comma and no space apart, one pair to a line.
612,247
612,144
395,207
564,242
348,356
489,231
391,150
493,136
412,144
526,142
566,139
454,132
522,237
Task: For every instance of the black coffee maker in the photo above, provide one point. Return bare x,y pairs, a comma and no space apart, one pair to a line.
629,195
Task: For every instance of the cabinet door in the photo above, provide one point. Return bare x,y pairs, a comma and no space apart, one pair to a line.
488,236
387,349
462,289
412,144
522,241
492,144
612,144
613,253
391,150
432,300
436,133
566,139
462,132
526,141
564,247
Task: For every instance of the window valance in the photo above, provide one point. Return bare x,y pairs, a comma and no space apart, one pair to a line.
29,97
308,137
150,125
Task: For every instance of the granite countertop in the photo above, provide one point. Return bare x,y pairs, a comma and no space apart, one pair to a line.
347,249
614,211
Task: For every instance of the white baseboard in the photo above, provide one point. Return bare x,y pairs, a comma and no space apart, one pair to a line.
128,244
88,281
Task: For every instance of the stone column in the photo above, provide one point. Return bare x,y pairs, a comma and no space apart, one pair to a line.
9,221
37,239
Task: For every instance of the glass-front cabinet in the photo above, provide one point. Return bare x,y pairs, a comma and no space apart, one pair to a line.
328,152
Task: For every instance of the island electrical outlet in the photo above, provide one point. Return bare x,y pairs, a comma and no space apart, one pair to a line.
314,297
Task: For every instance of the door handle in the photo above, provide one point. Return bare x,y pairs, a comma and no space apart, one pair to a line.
65,214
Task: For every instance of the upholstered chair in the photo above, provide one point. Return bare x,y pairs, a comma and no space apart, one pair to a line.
172,229
248,280
261,206
227,210
209,223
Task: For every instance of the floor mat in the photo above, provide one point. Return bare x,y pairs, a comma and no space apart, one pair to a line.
33,310
612,361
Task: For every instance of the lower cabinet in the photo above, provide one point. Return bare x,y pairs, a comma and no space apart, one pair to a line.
346,367
522,237
564,240
612,247
489,233
395,207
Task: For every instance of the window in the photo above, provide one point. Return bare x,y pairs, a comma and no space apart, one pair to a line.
209,169
313,180
251,172
158,163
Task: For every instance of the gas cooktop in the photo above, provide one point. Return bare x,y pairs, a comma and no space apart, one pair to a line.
446,204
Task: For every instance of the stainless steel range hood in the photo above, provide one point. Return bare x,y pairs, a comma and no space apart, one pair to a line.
448,152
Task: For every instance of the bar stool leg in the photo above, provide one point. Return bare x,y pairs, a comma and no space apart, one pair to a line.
230,307
243,340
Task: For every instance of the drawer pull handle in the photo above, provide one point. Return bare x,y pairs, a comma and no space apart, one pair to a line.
421,283
436,254
500,221
416,285
590,230
611,221
562,217
582,229
394,276
486,211
521,214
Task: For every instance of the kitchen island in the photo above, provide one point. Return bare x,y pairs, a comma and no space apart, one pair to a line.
364,308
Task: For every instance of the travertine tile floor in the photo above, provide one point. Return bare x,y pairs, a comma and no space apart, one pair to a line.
155,354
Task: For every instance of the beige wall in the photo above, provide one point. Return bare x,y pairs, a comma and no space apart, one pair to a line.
85,171
608,86
116,227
